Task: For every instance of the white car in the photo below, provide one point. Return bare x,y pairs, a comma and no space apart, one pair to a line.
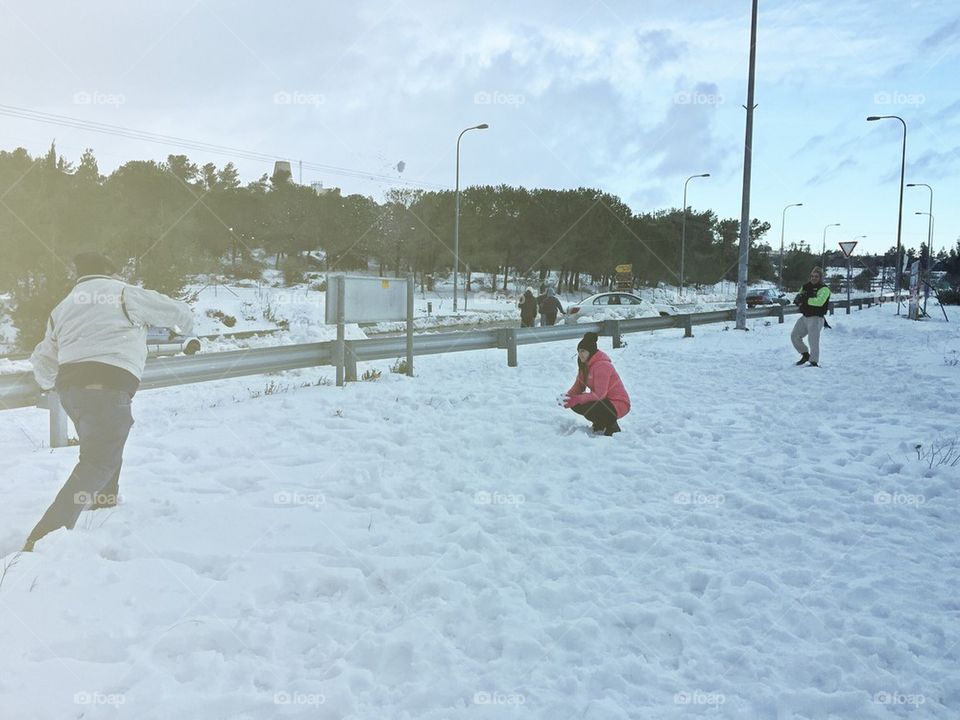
610,305
167,341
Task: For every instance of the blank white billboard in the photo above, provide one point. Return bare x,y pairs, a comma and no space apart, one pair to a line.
367,299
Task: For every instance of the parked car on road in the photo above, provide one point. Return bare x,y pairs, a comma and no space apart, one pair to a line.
610,304
167,341
766,296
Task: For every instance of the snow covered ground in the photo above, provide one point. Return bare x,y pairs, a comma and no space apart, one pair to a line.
296,313
302,307
8,332
761,541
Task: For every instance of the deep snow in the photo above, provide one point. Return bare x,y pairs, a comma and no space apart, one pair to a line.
760,541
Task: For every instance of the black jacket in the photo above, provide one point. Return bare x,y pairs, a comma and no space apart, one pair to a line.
528,307
808,291
549,307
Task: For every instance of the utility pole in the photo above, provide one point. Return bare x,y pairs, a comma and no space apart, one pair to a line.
747,159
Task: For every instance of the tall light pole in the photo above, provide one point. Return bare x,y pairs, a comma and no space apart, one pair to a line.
926,286
930,214
903,168
456,217
747,172
683,227
823,251
783,221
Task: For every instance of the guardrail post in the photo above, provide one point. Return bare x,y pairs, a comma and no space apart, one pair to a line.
830,305
612,328
349,363
511,337
58,418
779,313
341,336
411,282
686,322
859,304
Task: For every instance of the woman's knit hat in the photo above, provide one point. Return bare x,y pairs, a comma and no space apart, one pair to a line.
589,342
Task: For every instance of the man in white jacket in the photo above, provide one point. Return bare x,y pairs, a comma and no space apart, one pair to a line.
93,353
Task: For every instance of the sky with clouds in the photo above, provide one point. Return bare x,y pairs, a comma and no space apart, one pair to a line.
628,96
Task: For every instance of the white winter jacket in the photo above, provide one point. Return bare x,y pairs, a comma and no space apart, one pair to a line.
104,320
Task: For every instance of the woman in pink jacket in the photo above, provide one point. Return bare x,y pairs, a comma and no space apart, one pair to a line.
598,393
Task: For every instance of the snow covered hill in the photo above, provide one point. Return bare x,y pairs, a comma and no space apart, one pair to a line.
761,541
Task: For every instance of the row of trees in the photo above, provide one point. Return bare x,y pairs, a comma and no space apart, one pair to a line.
177,215
167,221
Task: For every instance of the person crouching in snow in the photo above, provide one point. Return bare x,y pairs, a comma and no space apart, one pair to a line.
598,393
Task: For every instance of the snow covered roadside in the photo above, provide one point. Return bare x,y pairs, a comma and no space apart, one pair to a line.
8,332
454,545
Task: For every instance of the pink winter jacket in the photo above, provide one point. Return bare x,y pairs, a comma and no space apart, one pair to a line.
604,384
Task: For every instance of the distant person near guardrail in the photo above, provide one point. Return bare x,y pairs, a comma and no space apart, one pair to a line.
528,308
549,306
813,301
598,393
540,298
93,353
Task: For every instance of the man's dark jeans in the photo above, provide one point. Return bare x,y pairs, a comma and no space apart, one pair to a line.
103,421
602,414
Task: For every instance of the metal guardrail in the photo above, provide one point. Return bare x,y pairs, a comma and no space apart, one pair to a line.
18,390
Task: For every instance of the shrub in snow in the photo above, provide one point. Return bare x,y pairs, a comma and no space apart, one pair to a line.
244,269
294,269
942,451
228,320
8,565
949,297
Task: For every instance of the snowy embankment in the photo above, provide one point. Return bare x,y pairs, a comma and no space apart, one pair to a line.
296,313
760,541
8,332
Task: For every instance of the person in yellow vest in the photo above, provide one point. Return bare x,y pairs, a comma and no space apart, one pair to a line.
813,301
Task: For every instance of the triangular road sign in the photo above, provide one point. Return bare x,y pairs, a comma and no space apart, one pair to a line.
848,247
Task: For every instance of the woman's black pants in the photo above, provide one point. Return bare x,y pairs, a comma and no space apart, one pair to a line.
602,414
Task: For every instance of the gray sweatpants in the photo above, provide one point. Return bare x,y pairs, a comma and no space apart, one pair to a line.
808,326
103,421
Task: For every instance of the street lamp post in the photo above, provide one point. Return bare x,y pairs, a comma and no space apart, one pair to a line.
743,260
930,213
783,221
456,216
903,167
930,224
683,228
823,251
929,265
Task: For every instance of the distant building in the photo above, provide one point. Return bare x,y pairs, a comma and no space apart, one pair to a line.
319,189
282,171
